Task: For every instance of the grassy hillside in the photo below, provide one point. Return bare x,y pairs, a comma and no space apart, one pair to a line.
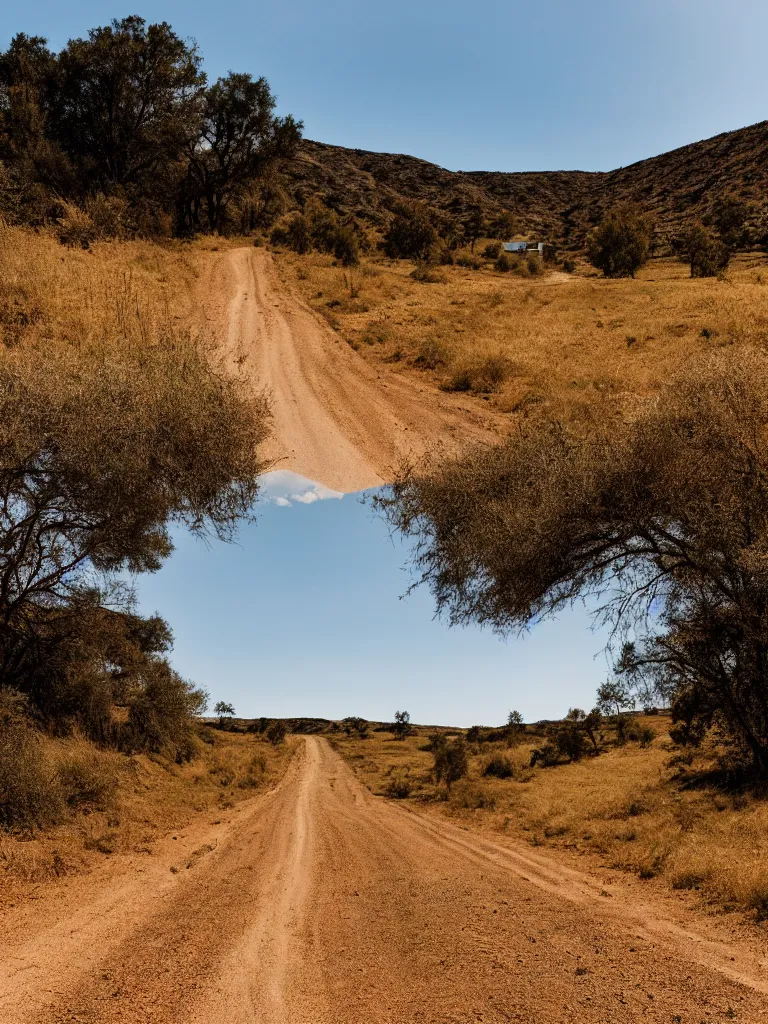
676,186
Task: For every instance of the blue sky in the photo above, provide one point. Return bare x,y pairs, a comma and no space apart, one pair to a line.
503,85
305,615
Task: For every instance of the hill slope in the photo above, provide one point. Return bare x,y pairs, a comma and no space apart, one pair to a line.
675,186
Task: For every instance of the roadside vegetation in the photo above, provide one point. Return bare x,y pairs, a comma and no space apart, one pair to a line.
637,802
117,427
86,802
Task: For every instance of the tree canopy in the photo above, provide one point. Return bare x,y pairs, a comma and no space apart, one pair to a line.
665,516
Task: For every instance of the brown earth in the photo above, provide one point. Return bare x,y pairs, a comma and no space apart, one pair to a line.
319,903
337,420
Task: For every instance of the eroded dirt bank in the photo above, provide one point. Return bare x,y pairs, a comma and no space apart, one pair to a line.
337,420
322,904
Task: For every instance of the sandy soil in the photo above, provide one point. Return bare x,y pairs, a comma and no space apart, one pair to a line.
319,903
337,420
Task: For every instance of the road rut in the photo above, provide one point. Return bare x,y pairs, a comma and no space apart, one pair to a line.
337,419
322,904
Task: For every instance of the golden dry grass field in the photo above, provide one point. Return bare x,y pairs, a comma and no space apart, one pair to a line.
574,345
636,809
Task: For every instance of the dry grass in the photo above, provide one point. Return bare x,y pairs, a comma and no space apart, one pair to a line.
628,809
115,291
563,343
122,804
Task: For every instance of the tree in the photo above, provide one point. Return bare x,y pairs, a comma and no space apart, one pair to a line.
615,697
411,234
502,226
402,726
729,216
621,244
223,710
665,516
240,138
102,449
703,251
515,727
127,102
474,225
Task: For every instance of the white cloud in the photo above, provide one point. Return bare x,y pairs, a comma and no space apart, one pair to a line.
282,488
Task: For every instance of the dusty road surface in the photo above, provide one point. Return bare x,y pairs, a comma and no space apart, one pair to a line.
337,420
319,903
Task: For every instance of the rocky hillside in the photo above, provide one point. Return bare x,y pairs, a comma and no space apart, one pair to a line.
676,186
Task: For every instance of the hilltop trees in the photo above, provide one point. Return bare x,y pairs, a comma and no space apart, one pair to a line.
666,516
621,244
125,104
124,115
402,726
238,137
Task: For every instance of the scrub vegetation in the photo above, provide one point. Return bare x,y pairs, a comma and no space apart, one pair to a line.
636,801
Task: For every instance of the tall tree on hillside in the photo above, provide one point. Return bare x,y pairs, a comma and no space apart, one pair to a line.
240,139
128,102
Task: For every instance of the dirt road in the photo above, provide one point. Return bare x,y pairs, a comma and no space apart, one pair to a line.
321,904
337,420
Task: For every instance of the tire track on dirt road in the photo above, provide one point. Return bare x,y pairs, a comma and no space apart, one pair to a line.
337,420
322,904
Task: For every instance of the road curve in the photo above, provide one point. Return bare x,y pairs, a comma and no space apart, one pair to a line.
322,904
337,420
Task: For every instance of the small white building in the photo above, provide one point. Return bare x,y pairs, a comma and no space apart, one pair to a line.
521,248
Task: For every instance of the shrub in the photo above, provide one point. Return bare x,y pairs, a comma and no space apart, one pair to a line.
276,732
451,761
431,354
427,274
535,266
621,244
75,227
568,266
547,755
503,263
109,216
411,235
499,766
88,776
492,250
473,796
30,794
399,787
484,377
